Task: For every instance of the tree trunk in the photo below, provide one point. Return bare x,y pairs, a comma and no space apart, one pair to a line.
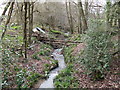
71,19
85,27
25,30
67,13
5,10
29,17
119,38
8,19
86,9
32,8
79,24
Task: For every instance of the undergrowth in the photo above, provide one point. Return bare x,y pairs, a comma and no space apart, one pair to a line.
96,56
65,79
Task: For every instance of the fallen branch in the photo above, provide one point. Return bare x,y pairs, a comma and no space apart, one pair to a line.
61,41
118,52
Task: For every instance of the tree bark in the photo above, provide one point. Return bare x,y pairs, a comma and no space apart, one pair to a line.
5,10
8,19
25,30
31,7
79,24
29,17
67,11
119,38
69,16
85,27
86,9
71,19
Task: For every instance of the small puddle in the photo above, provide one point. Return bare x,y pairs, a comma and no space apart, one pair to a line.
61,65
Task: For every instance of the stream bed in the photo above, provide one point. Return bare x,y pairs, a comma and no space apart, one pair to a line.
61,65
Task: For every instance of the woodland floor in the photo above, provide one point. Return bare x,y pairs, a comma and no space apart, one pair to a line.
112,78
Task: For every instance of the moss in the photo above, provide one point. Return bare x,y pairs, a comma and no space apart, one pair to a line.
56,32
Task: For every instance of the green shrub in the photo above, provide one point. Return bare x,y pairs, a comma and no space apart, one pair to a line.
67,51
44,52
26,79
96,56
44,46
35,56
65,79
49,67
68,54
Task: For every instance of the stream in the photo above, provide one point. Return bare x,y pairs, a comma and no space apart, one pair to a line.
61,65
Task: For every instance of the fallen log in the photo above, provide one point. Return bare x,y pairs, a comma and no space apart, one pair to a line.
47,39
62,41
53,42
117,52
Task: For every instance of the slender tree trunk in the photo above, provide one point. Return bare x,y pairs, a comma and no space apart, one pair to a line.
25,30
119,38
20,13
71,18
8,19
31,7
79,24
67,13
29,17
86,9
5,10
79,21
85,27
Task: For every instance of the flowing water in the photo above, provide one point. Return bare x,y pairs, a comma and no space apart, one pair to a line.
61,65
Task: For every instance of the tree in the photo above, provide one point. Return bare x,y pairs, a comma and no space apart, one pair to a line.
86,9
8,19
69,15
25,30
82,15
30,16
5,10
